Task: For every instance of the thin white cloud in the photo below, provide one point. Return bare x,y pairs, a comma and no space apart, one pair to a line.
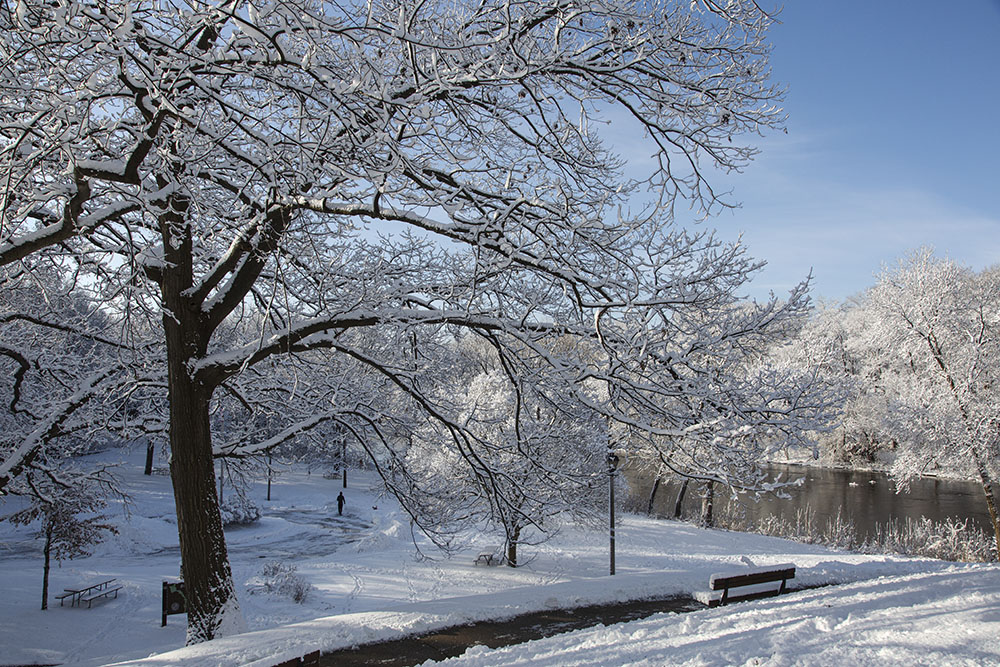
846,234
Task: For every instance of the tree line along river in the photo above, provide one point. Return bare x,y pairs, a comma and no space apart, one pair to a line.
867,499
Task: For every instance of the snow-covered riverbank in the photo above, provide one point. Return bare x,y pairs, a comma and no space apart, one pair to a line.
367,583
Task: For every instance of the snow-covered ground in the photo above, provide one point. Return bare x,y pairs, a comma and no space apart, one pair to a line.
369,583
931,618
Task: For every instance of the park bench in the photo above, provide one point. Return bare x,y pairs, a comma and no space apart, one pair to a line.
758,583
490,557
77,596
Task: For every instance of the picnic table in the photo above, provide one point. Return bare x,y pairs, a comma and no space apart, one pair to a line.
490,557
77,596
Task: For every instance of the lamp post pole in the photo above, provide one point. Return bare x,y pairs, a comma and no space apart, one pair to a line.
612,465
269,472
343,459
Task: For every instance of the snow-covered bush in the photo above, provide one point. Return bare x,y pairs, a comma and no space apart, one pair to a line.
280,579
950,539
801,528
840,533
238,510
947,540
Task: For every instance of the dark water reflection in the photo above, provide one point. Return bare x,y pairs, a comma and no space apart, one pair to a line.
868,499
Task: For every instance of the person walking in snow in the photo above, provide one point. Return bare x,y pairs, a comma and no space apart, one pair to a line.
340,503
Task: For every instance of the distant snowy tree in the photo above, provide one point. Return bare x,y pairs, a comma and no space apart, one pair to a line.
546,445
835,344
226,164
67,521
58,357
937,326
916,357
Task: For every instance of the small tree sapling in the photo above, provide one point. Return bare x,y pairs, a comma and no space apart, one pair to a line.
68,522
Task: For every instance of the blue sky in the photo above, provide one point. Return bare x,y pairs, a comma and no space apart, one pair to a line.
893,143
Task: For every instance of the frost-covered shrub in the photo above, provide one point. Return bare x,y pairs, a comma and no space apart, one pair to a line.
840,533
801,528
772,525
238,510
281,579
948,540
632,503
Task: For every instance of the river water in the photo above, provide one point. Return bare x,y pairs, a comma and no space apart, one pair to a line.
868,499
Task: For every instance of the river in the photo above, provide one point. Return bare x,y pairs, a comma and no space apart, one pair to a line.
868,499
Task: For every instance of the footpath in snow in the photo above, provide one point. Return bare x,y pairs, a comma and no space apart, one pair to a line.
366,583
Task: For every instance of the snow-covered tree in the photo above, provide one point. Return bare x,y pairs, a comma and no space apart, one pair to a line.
56,350
916,357
937,327
836,342
66,518
735,400
210,164
548,447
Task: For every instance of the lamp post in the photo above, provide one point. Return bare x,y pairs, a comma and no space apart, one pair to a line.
269,474
612,466
343,459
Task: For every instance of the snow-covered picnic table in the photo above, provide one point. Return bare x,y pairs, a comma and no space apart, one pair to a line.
490,557
77,596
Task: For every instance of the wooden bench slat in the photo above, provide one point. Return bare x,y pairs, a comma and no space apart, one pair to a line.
100,594
746,597
736,580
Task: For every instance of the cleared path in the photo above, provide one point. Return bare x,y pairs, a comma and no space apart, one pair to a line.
454,641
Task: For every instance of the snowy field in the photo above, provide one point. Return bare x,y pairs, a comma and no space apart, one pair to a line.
367,582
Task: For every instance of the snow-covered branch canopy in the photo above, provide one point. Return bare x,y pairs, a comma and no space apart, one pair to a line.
238,162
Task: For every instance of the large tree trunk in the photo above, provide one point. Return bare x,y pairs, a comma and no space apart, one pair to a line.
512,539
652,496
148,470
270,472
208,584
680,498
991,504
984,477
707,505
212,608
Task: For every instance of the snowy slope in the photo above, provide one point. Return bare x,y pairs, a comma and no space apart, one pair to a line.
938,618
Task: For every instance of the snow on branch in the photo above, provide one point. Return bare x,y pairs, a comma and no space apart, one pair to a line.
24,453
238,449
